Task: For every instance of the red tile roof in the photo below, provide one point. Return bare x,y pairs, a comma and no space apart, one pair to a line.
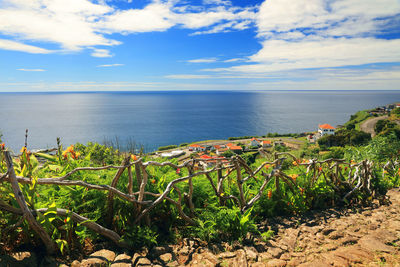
235,148
326,126
206,157
195,145
229,144
266,142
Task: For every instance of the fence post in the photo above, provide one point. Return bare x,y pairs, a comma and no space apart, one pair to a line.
50,245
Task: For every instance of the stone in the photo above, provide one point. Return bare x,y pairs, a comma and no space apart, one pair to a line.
294,262
251,253
335,235
319,263
122,260
275,252
102,257
353,254
206,259
143,261
75,263
257,264
167,257
276,263
108,255
157,251
285,256
373,244
226,255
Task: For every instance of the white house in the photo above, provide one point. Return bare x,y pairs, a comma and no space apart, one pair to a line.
324,129
197,148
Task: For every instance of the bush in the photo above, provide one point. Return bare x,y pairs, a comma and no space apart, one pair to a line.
344,137
161,148
183,144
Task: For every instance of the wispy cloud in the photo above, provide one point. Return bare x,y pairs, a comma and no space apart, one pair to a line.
17,46
31,70
203,60
101,53
111,65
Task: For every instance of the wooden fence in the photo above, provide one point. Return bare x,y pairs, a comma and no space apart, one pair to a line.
358,178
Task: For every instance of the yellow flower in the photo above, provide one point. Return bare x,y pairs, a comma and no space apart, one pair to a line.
295,163
133,157
23,149
385,171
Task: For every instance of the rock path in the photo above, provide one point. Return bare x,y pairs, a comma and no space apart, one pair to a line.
363,237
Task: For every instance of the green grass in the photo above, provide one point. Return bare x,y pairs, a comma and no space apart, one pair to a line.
358,118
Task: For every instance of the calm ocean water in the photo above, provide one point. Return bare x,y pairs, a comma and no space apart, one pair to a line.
162,118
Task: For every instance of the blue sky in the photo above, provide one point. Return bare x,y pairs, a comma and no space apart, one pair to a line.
104,45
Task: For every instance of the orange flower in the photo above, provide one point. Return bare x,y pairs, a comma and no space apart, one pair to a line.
385,171
345,168
65,220
133,157
269,194
153,181
320,169
294,176
267,166
295,163
70,148
2,146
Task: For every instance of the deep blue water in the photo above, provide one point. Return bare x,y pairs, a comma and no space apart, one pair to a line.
162,118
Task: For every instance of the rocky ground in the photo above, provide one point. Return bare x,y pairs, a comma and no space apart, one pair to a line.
360,237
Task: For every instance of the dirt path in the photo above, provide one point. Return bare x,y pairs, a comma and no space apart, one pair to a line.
368,126
364,237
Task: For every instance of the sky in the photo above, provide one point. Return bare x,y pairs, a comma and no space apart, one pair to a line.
156,45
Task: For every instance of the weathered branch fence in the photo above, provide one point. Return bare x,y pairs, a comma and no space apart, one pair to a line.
345,177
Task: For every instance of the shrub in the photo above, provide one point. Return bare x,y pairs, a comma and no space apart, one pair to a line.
161,148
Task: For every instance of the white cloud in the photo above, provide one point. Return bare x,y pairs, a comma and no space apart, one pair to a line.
78,24
203,60
71,25
17,46
101,53
39,70
306,34
111,65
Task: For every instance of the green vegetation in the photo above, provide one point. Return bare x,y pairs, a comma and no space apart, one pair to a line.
241,137
343,137
356,119
213,216
161,148
183,144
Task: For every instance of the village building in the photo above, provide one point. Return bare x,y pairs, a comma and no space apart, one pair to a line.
266,143
196,147
324,129
255,142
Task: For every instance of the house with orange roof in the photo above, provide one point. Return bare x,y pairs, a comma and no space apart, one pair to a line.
266,143
196,147
324,129
221,150
236,149
255,142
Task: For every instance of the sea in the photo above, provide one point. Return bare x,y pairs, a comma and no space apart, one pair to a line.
154,119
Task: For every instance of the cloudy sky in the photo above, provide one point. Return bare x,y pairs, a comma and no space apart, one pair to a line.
118,45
